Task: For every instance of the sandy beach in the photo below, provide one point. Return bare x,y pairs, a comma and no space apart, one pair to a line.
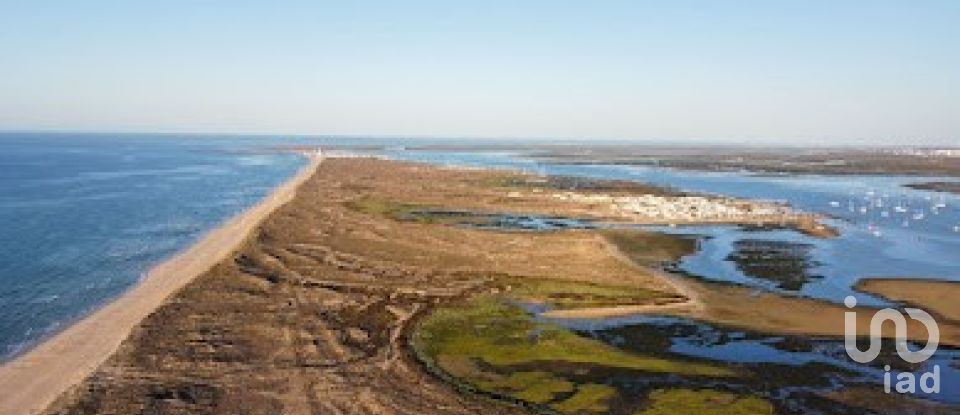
316,310
33,380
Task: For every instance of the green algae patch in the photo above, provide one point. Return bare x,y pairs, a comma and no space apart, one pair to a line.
378,206
590,398
536,387
483,344
650,249
406,212
573,295
411,212
584,185
704,401
500,334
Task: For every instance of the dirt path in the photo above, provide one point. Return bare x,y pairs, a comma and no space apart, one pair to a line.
693,303
32,381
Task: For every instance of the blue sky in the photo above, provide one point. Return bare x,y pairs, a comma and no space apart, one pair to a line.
885,72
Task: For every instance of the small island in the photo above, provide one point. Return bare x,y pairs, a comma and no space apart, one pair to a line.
945,187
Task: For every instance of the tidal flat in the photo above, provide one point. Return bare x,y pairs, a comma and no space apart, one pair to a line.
502,346
496,348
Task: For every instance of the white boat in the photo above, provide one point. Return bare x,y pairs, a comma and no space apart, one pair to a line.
900,209
835,204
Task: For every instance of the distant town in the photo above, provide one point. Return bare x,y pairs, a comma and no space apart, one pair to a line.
926,152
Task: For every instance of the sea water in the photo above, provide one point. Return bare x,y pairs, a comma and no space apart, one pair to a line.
84,216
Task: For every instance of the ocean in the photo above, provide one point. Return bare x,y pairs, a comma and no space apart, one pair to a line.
84,216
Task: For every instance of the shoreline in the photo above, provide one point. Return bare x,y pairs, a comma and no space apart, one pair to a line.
810,223
939,187
32,380
340,282
935,295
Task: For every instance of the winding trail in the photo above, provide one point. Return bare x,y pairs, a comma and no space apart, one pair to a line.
32,381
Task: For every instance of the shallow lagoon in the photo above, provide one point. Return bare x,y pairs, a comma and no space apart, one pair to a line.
683,338
898,243
505,348
792,372
882,234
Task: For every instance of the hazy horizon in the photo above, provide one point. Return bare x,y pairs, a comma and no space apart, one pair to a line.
504,142
750,73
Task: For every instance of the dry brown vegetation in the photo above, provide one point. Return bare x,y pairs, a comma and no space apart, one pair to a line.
309,316
312,314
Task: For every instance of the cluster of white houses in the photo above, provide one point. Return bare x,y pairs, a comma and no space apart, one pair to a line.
680,208
927,152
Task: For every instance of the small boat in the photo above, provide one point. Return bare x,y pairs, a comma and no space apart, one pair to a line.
900,209
885,214
835,204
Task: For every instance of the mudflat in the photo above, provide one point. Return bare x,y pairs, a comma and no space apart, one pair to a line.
936,296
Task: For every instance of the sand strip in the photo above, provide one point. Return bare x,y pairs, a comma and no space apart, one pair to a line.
32,381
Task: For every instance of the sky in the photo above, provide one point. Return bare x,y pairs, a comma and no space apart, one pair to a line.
795,72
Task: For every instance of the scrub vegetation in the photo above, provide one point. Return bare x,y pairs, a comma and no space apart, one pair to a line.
574,294
703,402
590,397
490,344
651,249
